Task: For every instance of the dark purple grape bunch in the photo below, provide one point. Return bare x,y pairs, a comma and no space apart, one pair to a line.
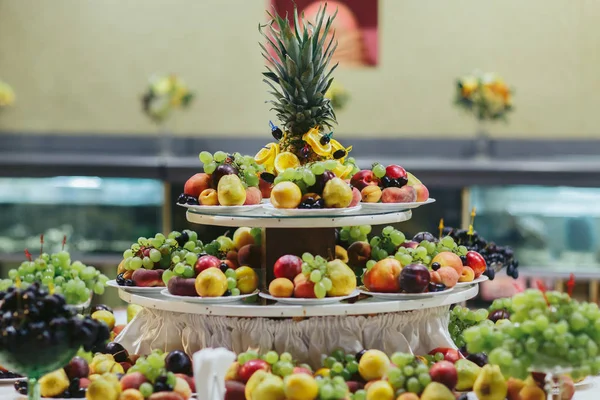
33,318
491,252
187,199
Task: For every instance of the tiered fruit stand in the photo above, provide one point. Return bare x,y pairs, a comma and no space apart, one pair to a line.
307,331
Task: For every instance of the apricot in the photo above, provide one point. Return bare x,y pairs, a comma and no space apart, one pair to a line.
303,287
286,195
371,194
467,275
449,259
208,197
422,192
148,277
133,380
405,194
281,287
242,236
121,268
448,276
253,196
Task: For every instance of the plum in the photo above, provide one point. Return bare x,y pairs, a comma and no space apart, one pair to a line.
414,278
221,171
419,237
179,363
118,351
147,277
182,286
77,368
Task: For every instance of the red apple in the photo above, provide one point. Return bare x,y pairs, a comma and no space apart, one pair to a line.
364,178
250,367
265,188
476,262
304,288
383,277
445,373
300,370
287,266
206,262
450,355
196,184
395,171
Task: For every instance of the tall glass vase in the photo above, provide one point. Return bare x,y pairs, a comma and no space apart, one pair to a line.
165,142
482,140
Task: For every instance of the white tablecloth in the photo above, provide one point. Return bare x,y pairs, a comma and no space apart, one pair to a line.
589,391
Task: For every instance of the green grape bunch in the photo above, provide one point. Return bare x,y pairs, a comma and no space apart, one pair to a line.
349,234
310,178
545,330
408,374
247,168
74,280
462,318
315,269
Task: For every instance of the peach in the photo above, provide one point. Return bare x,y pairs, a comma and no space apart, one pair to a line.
568,388
84,383
196,184
359,253
303,287
422,192
133,381
405,194
250,255
148,277
231,259
435,277
131,394
253,196
467,275
209,197
449,259
182,388
189,380
242,236
383,277
281,287
356,197
371,194
286,195
408,396
165,396
448,276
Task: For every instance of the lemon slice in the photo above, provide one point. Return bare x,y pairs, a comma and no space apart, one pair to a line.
313,138
412,180
342,171
269,151
286,160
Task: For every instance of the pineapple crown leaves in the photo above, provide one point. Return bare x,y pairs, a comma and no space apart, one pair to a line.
299,76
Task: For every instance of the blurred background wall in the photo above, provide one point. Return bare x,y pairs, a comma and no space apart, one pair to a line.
80,66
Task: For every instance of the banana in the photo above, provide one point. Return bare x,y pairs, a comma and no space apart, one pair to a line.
490,384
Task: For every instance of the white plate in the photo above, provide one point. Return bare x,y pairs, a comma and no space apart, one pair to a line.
404,296
11,381
308,302
389,207
135,289
309,212
221,209
207,300
482,278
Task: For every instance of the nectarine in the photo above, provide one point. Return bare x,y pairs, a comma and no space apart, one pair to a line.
196,184
383,277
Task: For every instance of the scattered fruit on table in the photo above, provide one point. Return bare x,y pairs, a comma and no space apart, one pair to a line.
228,180
391,184
311,277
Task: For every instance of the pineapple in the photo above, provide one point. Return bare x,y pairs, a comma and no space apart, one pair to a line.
299,78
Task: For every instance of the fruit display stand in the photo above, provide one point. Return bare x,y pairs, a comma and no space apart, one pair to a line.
306,331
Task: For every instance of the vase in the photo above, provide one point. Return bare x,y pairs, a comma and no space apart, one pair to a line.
553,379
482,141
165,142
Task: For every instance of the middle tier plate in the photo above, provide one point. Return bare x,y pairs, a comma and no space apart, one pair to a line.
261,218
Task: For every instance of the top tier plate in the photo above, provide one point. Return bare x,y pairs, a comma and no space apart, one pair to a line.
260,218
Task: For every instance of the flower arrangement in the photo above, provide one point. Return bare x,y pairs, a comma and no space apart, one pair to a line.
338,95
485,95
7,95
164,94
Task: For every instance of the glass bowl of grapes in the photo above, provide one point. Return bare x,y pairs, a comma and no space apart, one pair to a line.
40,333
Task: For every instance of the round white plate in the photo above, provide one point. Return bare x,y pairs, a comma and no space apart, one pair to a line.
389,207
221,209
207,300
404,296
482,278
135,289
11,381
309,212
308,302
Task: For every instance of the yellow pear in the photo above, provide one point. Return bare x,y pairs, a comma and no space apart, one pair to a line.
490,384
231,191
343,279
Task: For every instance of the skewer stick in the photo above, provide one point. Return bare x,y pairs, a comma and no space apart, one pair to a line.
441,226
473,214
